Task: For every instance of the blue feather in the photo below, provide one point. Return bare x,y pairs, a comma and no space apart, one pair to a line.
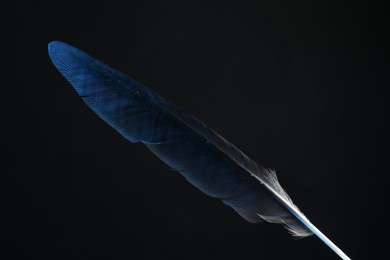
204,158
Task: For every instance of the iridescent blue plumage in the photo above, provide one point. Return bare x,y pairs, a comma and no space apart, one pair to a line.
184,143
204,158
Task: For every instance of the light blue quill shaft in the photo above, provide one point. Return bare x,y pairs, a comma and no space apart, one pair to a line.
203,157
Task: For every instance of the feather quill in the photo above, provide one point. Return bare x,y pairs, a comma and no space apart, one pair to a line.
203,157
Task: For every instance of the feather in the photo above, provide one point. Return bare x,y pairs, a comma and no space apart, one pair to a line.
203,157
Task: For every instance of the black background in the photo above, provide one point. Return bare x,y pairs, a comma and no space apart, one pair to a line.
299,86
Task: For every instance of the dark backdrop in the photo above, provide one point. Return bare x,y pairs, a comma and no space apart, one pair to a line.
299,86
